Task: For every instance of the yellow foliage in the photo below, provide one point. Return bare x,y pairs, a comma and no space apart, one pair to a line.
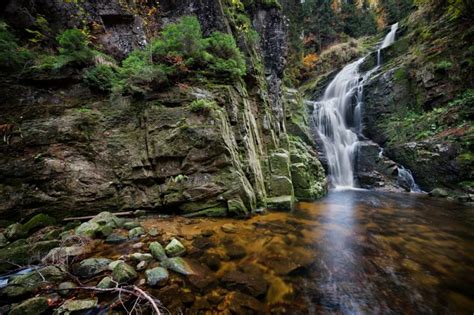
309,61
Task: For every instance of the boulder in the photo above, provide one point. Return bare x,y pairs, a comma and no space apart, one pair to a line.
175,248
89,229
284,203
60,254
439,192
157,251
90,267
38,221
28,283
124,273
22,253
36,305
15,231
156,276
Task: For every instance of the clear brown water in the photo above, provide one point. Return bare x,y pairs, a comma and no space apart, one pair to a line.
353,252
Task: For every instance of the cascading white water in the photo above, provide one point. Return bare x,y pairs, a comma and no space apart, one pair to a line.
387,41
337,117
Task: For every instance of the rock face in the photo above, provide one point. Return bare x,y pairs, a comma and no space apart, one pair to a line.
78,151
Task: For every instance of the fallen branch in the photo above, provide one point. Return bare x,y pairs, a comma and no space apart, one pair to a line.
93,216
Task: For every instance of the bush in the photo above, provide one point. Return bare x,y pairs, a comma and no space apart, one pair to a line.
102,77
443,66
226,57
183,39
73,45
12,56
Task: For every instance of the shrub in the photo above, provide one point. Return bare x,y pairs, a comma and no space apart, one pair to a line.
12,56
443,66
73,45
226,57
183,39
102,77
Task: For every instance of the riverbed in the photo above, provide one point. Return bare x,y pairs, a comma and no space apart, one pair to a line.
353,252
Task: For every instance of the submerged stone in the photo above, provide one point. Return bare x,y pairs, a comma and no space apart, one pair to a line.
229,228
280,203
156,276
179,265
250,283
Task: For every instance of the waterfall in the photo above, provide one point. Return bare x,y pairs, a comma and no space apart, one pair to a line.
337,116
387,41
405,179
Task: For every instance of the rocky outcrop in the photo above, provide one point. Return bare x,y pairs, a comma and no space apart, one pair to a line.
73,151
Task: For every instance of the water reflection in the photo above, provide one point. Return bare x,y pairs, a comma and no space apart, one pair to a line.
390,254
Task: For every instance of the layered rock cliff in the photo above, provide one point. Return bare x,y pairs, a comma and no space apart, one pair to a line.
72,150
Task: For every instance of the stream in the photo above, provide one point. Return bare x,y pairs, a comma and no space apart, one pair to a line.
352,252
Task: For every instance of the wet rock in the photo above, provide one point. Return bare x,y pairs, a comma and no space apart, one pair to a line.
3,240
90,267
107,218
31,281
203,279
211,260
64,288
113,264
124,273
203,243
175,248
439,193
179,265
142,265
129,225
278,291
36,305
136,232
141,257
207,233
105,283
214,297
153,232
239,303
235,251
282,203
15,231
74,306
156,276
229,228
138,245
283,265
249,283
38,221
115,239
60,254
88,229
157,251
22,253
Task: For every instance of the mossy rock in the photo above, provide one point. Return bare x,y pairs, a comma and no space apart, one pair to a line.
36,305
28,283
38,221
21,253
282,203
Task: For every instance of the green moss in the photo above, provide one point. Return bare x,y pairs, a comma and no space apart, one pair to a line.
12,56
203,106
